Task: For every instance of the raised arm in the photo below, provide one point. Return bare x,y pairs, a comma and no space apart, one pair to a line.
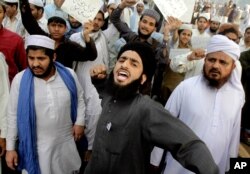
29,21
167,132
122,27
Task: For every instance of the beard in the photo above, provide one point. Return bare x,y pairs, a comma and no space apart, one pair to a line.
212,30
213,82
123,92
143,36
47,71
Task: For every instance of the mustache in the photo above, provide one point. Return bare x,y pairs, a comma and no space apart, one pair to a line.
214,70
36,67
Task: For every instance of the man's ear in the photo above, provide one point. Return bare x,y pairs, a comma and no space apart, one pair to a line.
143,79
54,57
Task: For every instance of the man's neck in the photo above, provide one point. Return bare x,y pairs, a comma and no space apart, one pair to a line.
12,18
52,72
247,44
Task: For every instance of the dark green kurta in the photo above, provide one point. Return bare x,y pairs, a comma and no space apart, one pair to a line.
127,131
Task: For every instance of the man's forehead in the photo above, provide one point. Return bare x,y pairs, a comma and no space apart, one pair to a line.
148,18
130,54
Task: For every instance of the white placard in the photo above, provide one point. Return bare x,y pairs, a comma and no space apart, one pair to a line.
180,9
178,51
199,42
82,10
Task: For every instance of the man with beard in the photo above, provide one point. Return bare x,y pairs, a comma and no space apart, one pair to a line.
45,114
75,26
147,25
131,123
67,51
210,104
214,25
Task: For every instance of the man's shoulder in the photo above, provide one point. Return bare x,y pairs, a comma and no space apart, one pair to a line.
245,54
18,76
10,34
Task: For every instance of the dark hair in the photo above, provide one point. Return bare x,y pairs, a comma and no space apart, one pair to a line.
12,4
247,29
156,23
102,13
57,20
229,28
47,51
181,30
39,8
201,17
2,4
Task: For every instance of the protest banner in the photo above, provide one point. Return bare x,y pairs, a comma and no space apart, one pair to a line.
82,10
180,9
178,51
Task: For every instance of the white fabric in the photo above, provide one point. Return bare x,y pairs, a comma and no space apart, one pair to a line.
222,43
11,1
127,12
205,15
38,3
243,46
56,148
213,114
181,64
202,39
15,25
112,35
93,103
134,21
40,40
4,95
156,156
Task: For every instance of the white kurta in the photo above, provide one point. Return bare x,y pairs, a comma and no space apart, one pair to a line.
91,96
15,25
4,95
56,148
213,114
181,64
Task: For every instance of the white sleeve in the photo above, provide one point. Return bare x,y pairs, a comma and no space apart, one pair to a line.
80,119
93,111
4,96
12,113
180,64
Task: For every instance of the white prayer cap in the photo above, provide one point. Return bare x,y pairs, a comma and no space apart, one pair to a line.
40,40
38,3
186,27
112,2
216,19
140,2
205,15
222,43
11,1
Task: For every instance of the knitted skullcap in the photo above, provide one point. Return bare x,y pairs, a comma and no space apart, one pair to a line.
152,13
146,54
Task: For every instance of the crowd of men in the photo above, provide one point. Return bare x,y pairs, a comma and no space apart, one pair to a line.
130,91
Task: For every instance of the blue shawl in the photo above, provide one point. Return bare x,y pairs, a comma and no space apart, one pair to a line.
26,117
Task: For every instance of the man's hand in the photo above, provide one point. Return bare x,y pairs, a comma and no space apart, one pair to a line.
59,3
127,3
78,132
171,24
88,28
87,155
12,159
197,54
98,72
2,146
